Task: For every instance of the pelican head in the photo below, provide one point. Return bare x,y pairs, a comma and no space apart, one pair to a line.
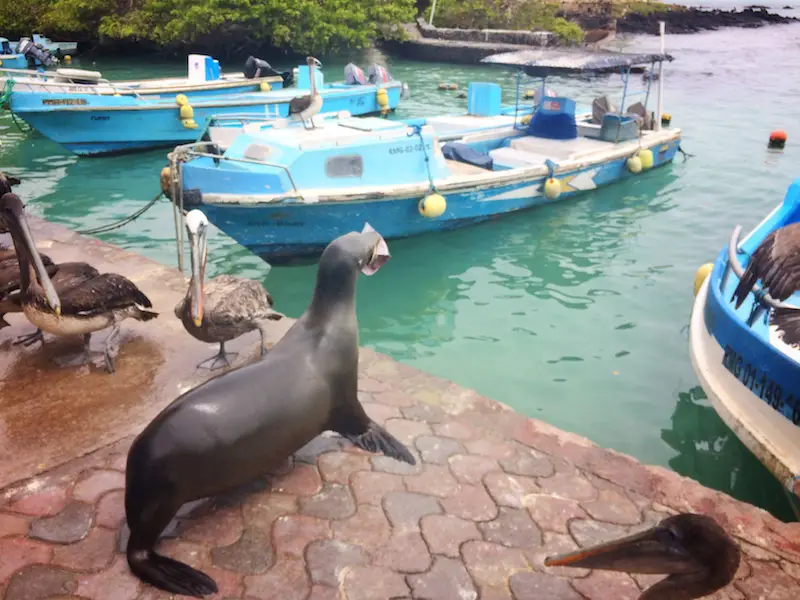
693,550
197,227
12,217
313,62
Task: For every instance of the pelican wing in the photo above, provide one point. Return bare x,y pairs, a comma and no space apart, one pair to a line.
102,293
9,273
776,262
299,104
230,300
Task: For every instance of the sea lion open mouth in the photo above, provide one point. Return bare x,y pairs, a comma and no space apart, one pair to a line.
380,252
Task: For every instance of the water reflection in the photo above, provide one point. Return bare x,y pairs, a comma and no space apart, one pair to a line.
709,451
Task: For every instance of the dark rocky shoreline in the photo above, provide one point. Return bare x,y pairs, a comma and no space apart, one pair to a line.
692,20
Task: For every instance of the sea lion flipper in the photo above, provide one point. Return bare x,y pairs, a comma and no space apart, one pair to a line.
171,575
377,439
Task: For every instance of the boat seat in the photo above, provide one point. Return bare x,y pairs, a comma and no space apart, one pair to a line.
511,158
601,106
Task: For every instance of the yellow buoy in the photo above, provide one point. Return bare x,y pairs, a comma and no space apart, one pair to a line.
181,99
187,112
529,94
634,164
646,156
189,123
666,118
701,275
265,86
552,188
67,58
166,181
1,63
525,120
432,206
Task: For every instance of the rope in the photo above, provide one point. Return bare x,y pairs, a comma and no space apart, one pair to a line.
417,130
685,154
117,224
5,96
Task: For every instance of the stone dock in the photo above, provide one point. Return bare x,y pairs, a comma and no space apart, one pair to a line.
493,492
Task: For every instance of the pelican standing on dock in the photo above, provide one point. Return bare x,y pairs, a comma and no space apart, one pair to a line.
225,307
776,262
305,107
697,554
93,302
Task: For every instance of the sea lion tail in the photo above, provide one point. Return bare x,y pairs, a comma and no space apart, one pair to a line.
170,575
377,439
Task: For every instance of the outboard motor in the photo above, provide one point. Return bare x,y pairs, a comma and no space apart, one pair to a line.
256,67
354,75
378,74
36,52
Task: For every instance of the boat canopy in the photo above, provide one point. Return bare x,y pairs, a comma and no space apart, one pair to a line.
545,62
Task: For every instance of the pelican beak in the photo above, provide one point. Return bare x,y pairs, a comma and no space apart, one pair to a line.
20,223
380,250
199,248
654,551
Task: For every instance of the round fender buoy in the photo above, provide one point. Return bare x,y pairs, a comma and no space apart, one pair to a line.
265,86
166,181
189,123
530,93
181,99
701,275
552,188
442,85
382,97
646,156
67,59
777,139
187,112
634,164
666,118
432,206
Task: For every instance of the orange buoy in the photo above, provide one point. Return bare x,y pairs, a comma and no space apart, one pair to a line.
777,139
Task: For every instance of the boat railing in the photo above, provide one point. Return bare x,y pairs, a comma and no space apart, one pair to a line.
763,298
46,85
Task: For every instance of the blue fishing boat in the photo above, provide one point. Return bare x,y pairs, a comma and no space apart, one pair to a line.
745,337
286,193
111,118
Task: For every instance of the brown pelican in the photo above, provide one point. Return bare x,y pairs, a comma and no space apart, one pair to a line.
90,303
10,282
776,262
305,107
692,549
225,307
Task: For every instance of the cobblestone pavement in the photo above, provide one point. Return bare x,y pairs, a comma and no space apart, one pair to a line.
492,494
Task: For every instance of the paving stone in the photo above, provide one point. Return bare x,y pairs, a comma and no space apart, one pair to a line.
318,447
447,579
367,384
42,503
455,430
491,448
444,534
338,467
406,431
393,398
70,525
94,552
513,528
552,545
368,528
589,533
793,570
12,525
370,487
323,592
573,487
97,483
528,585
756,551
471,502
38,582
380,413
528,462
471,469
333,501
250,554
118,462
192,553
607,585
327,559
509,490
292,533
371,583
304,480
770,582
613,507
437,450
116,582
221,528
435,480
429,413
229,583
287,580
492,564
384,464
406,552
405,509
16,553
552,513
111,509
261,511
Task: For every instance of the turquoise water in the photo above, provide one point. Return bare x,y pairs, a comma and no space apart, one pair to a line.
575,313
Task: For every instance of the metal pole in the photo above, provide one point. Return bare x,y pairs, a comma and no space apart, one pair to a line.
660,78
433,9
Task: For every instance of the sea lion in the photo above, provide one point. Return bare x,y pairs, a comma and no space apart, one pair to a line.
238,425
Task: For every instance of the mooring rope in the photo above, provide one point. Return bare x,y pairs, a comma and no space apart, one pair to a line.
417,130
122,222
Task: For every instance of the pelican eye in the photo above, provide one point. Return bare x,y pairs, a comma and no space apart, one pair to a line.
668,535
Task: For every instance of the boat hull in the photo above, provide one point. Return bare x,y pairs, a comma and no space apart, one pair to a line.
283,232
91,126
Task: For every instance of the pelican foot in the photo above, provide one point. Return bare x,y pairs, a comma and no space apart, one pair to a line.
77,360
111,349
30,339
218,361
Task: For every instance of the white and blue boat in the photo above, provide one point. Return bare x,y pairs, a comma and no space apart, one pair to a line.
58,49
24,55
749,364
286,193
97,118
